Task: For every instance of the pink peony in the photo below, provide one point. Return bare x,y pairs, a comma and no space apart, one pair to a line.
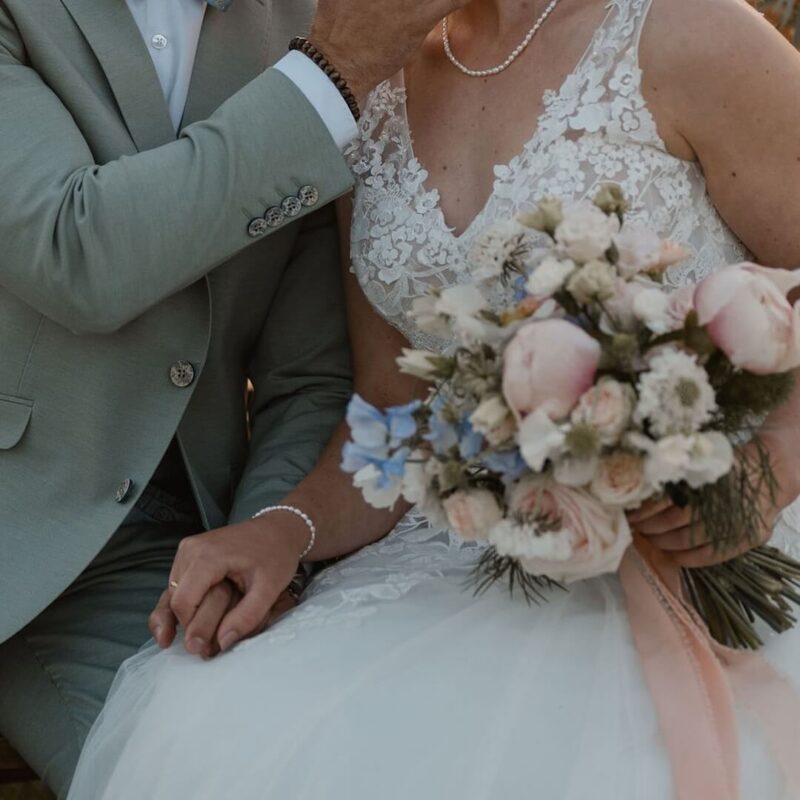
548,365
747,315
591,539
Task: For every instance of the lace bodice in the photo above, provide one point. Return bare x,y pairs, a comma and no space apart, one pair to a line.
596,128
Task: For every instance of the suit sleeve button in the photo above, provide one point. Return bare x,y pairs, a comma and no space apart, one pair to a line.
308,196
257,227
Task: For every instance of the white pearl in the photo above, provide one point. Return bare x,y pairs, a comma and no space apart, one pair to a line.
483,73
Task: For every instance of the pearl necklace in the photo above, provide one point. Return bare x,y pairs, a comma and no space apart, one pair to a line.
517,52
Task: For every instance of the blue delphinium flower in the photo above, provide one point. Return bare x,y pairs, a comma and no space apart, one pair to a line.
520,292
376,437
470,441
401,422
509,464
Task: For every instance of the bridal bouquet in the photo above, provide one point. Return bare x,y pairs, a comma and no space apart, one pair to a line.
583,390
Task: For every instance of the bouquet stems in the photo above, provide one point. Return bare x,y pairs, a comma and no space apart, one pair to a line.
761,584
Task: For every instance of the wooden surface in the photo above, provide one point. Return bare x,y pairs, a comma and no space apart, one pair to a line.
12,768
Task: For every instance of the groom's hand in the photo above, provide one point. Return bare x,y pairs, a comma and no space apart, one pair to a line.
368,41
228,584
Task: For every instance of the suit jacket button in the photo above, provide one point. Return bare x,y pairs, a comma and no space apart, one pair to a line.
274,217
291,206
308,196
123,490
181,373
257,227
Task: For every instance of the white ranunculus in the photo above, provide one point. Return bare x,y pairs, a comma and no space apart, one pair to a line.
539,438
585,233
549,276
594,281
494,420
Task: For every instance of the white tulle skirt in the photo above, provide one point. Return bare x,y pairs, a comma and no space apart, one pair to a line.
394,681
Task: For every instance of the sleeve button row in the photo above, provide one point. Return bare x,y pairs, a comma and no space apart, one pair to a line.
274,217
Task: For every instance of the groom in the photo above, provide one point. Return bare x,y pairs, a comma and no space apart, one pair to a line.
163,240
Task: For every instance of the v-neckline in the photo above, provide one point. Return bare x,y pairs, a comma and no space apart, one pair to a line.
530,145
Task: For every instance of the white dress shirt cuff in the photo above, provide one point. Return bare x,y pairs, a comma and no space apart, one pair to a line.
322,94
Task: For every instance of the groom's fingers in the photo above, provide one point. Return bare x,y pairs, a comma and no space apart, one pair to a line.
162,622
249,616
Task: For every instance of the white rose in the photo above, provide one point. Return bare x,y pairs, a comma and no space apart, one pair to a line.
585,233
472,513
639,250
593,281
550,276
539,438
608,408
620,480
651,307
494,420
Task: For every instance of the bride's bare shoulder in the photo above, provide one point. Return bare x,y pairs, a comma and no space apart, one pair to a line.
723,86
712,45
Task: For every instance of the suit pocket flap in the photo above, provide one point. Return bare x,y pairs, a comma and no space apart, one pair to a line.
15,414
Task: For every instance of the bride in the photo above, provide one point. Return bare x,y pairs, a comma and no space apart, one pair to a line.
391,679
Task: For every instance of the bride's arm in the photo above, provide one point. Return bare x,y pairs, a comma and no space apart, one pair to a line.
260,556
725,89
345,522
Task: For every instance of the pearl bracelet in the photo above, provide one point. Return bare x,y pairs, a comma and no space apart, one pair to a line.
312,529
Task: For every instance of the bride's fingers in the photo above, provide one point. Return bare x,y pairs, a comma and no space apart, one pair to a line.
162,622
649,509
250,615
682,539
200,637
193,583
668,521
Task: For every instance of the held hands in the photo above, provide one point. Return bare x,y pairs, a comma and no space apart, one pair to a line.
670,528
368,41
228,584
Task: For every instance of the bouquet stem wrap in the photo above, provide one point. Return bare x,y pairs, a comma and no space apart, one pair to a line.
695,681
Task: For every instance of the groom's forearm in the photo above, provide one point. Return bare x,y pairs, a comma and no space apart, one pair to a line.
94,246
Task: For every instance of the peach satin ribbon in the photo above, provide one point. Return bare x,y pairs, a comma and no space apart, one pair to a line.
693,681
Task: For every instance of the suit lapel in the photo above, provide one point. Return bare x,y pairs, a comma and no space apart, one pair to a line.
117,43
233,49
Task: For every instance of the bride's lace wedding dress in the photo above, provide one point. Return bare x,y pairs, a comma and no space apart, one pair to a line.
392,680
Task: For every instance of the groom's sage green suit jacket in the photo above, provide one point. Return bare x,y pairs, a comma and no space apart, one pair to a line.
125,250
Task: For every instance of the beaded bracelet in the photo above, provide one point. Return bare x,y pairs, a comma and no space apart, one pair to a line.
306,48
312,529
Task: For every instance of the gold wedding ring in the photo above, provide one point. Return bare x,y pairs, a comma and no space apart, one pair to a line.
173,584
